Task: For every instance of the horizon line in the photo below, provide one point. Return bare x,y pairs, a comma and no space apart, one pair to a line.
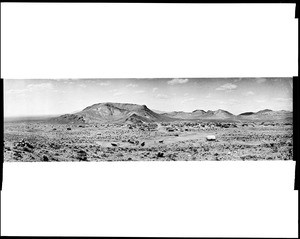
163,111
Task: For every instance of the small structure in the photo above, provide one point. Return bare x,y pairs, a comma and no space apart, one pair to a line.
210,138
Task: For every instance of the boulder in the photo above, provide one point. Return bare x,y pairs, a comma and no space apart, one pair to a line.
45,158
26,149
160,154
29,145
130,141
82,155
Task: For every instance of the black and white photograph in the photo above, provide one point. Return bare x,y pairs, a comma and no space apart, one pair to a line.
149,120
178,119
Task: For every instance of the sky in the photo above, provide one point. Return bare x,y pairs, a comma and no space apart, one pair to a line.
37,97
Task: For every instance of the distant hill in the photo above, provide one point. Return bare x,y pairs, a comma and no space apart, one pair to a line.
178,115
267,115
200,114
113,113
246,113
266,111
223,114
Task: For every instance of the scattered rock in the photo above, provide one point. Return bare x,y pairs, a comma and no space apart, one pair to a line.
45,158
17,155
130,141
143,144
26,149
289,143
160,154
82,155
29,145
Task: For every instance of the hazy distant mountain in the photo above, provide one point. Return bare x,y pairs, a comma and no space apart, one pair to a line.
267,114
159,111
113,113
178,115
218,114
200,114
266,111
247,113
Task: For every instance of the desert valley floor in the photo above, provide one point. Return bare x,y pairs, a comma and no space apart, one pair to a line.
34,141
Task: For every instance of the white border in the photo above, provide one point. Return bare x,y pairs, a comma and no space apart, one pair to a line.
149,199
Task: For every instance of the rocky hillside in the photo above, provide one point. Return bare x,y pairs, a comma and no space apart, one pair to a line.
113,113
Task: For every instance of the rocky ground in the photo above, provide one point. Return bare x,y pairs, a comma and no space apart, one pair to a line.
41,141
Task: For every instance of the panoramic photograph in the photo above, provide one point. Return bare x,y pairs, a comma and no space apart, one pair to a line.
148,119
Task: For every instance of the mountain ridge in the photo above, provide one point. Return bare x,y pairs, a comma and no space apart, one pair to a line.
110,112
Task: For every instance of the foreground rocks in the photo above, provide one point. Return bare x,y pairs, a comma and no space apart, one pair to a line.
31,142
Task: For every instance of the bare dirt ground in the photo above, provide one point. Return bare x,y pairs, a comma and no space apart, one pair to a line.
41,141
